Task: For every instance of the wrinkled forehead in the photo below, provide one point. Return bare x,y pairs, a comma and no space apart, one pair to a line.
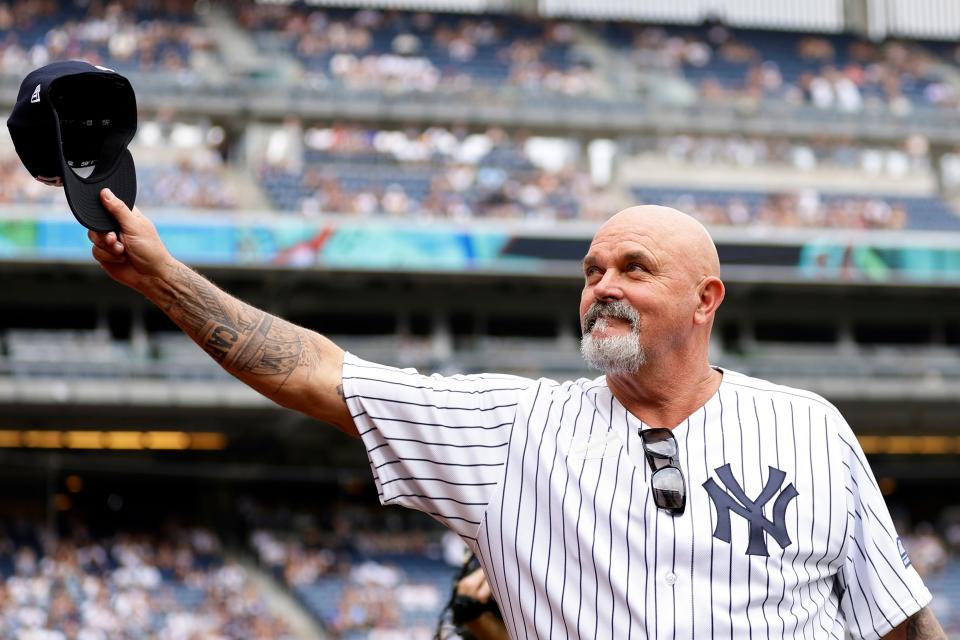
615,239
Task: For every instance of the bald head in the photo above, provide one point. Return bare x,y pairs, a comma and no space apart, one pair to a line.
677,234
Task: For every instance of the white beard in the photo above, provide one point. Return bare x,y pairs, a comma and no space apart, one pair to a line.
617,355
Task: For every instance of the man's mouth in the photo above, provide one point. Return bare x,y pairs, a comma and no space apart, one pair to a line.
600,316
602,323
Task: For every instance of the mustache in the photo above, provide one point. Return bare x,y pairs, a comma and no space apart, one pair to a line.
617,309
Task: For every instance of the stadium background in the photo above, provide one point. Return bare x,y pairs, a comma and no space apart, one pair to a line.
419,180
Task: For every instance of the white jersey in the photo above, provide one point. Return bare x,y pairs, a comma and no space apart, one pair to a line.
785,532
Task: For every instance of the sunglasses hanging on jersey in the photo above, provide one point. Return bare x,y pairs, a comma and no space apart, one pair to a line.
667,482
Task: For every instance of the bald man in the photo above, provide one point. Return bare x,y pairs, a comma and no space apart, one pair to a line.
667,498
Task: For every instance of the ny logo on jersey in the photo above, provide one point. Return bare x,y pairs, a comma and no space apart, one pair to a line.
751,510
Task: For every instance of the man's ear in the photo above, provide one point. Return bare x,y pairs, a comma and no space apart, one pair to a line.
711,292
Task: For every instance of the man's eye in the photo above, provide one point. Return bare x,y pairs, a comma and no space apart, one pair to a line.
635,266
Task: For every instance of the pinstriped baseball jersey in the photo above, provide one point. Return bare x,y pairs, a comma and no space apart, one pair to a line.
785,532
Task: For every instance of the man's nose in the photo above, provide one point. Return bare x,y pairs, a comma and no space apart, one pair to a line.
607,288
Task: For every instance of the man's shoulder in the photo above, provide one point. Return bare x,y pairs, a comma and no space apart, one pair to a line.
542,387
750,385
355,366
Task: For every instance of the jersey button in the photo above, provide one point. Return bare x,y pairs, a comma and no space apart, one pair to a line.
670,578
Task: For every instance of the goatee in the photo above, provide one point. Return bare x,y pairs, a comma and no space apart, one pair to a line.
616,355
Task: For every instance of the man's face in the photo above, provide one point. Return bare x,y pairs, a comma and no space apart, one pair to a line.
637,298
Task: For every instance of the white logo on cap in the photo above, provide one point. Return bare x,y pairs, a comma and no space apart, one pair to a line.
35,98
104,68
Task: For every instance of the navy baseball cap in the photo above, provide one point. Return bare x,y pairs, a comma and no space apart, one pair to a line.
71,126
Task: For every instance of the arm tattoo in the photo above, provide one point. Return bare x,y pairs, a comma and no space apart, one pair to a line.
924,626
243,339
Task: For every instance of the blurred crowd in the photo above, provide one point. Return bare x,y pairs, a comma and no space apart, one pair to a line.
400,51
928,551
796,209
19,187
910,157
371,594
457,174
932,545
435,172
828,72
177,166
126,586
359,569
130,35
426,52
195,181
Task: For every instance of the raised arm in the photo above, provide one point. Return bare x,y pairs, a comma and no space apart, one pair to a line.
293,366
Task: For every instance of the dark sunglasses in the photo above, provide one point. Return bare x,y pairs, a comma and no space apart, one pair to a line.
669,487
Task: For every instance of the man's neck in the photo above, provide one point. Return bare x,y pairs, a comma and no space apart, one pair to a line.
663,397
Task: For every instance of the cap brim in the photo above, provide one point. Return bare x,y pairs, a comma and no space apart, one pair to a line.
83,195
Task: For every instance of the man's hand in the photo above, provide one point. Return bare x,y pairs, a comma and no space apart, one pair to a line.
474,585
137,256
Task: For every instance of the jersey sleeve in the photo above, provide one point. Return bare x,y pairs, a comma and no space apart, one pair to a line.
435,444
880,587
